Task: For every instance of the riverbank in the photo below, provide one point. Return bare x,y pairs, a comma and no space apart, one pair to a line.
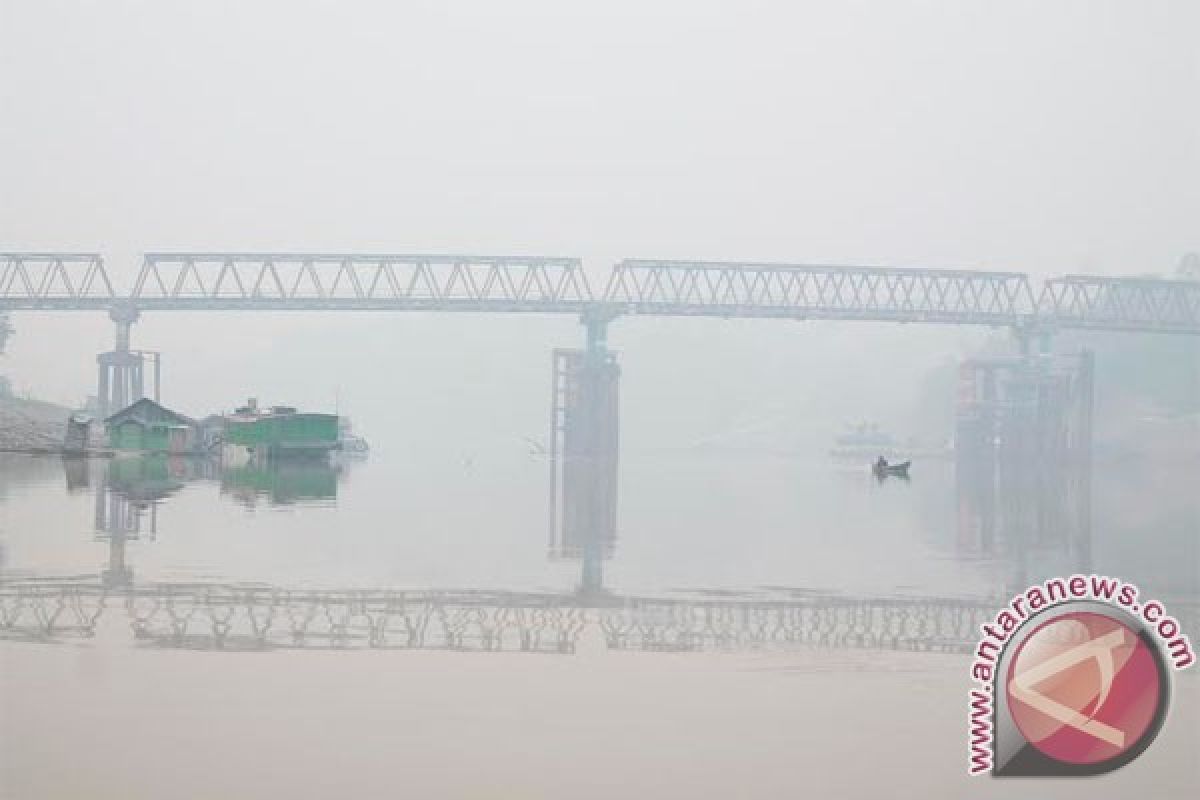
32,426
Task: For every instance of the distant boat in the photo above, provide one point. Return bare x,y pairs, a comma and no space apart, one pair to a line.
898,470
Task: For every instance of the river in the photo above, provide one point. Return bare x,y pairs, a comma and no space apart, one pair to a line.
535,673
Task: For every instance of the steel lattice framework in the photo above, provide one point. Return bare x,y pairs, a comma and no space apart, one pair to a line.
1122,304
54,280
360,282
397,282
796,291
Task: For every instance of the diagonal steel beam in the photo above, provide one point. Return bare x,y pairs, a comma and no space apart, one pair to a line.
749,289
47,280
1152,305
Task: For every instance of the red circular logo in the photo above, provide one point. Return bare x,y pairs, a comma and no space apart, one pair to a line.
1084,688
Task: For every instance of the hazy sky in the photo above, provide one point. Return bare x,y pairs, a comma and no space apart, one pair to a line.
1045,137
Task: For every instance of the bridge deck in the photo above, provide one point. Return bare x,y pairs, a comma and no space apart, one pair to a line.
547,285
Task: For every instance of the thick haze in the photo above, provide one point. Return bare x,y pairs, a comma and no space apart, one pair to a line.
1044,137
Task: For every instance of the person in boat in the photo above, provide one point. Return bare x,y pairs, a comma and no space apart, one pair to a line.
881,464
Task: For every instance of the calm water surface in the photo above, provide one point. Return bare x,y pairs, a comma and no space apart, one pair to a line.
308,708
686,521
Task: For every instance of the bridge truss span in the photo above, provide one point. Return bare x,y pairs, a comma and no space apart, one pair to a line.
239,281
306,281
802,291
54,281
1155,305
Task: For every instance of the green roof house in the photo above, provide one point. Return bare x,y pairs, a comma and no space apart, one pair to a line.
147,426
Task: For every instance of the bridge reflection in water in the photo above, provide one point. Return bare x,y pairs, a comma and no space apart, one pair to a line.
240,618
252,617
136,484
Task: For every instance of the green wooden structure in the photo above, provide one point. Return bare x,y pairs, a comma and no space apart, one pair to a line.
146,426
283,432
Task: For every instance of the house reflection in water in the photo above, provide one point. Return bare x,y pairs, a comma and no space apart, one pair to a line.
281,482
127,504
130,490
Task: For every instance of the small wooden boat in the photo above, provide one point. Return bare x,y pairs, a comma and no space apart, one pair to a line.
899,470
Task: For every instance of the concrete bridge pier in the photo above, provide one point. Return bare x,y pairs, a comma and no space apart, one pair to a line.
596,326
1081,450
121,377
117,521
1023,454
120,380
583,454
1033,341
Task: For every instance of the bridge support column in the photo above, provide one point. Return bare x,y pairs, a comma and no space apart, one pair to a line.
1045,343
116,520
1082,451
1033,340
1022,453
120,380
583,455
596,326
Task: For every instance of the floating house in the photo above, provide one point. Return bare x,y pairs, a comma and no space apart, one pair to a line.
276,432
149,427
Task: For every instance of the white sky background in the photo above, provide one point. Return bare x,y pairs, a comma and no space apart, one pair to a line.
1045,137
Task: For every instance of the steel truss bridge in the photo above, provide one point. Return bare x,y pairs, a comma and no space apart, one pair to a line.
393,282
237,618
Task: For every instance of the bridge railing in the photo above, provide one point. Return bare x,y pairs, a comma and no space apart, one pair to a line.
801,291
1134,304
47,280
362,281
